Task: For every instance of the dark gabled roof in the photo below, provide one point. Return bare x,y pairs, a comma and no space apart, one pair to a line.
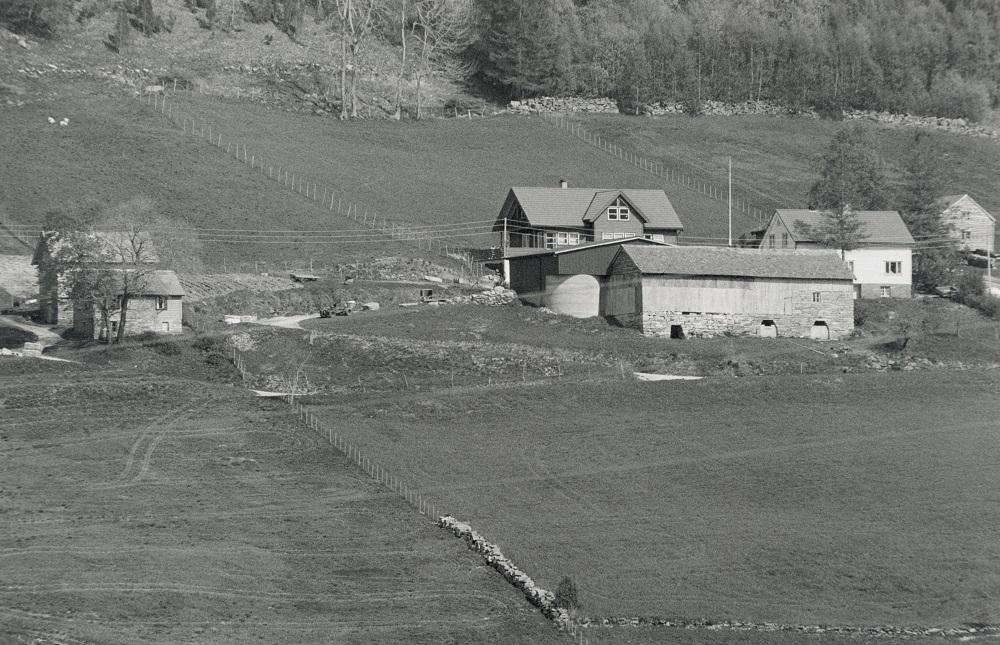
573,206
881,227
735,262
521,252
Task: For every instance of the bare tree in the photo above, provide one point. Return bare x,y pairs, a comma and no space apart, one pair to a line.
401,9
356,21
441,27
107,259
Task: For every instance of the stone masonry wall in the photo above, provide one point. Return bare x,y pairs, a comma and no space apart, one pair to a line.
836,309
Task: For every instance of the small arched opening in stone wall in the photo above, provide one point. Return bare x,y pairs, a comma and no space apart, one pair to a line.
820,331
676,331
768,329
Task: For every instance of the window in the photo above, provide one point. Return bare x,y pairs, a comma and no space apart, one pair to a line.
607,236
850,264
550,240
885,292
784,240
817,297
161,303
966,234
770,241
655,237
619,211
616,236
893,267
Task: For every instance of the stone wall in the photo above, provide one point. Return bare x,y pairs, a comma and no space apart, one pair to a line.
875,290
836,309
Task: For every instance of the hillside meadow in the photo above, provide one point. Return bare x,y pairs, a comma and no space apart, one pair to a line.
158,508
857,500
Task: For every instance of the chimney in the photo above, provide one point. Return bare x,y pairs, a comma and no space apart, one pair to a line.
563,183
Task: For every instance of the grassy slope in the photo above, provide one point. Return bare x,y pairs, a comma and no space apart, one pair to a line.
857,500
115,149
159,509
437,171
773,157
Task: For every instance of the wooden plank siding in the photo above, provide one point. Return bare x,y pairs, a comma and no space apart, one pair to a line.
971,224
728,294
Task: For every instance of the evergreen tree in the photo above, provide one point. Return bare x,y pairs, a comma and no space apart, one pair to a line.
851,171
935,257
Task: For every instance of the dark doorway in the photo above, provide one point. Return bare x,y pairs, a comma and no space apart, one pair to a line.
676,331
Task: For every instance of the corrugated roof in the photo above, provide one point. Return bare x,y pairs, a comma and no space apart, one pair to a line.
881,227
571,206
520,252
733,262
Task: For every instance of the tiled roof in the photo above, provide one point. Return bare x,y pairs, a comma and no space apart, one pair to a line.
572,206
881,227
161,282
734,262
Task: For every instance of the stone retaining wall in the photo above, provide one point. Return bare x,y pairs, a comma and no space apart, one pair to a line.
747,108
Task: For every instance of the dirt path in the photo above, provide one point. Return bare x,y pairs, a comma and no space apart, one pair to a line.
288,322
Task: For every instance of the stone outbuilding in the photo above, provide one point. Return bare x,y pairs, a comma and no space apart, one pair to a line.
678,291
157,308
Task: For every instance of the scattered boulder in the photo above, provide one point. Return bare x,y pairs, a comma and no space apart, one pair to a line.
370,306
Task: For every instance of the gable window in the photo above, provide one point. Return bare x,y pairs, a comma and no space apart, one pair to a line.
966,234
619,211
885,292
784,240
161,303
893,267
817,297
770,241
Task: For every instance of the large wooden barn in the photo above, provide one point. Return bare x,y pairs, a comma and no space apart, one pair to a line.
705,291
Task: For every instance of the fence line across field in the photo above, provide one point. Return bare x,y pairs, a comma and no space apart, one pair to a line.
653,167
296,182
429,507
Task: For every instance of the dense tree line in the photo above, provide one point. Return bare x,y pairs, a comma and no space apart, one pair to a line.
937,57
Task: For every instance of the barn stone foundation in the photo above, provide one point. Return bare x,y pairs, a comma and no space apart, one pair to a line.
709,325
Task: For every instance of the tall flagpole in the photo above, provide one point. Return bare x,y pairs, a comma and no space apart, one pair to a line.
730,201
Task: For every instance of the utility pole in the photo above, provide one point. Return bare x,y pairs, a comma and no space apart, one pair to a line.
730,201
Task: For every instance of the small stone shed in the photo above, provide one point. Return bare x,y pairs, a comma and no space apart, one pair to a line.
157,308
711,291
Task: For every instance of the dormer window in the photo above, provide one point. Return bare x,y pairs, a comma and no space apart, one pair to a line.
619,211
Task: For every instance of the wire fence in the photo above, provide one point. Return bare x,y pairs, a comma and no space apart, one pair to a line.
656,167
445,240
430,506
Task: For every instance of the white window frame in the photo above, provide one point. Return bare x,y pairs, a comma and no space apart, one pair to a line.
160,303
893,267
966,234
885,291
655,237
817,296
770,240
619,211
784,240
550,240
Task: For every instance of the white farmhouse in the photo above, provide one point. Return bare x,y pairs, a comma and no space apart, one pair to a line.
882,264
968,222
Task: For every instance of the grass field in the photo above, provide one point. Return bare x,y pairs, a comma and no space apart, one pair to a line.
114,149
773,157
857,500
157,509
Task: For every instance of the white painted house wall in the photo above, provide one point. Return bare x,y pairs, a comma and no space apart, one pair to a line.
868,265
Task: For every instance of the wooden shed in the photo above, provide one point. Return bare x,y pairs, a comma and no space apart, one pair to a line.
711,291
567,280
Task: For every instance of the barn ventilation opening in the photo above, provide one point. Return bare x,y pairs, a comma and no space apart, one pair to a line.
768,329
820,330
676,331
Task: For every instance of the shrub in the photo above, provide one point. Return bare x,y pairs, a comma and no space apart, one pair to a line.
464,104
865,310
567,596
956,97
